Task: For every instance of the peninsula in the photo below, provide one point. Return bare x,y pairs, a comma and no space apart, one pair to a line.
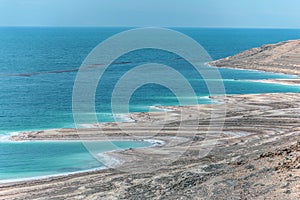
283,57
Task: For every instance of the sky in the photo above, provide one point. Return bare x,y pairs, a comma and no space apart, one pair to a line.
145,13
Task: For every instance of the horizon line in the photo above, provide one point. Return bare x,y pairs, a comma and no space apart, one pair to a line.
208,27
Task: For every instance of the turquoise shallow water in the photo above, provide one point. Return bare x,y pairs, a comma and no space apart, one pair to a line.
38,67
20,160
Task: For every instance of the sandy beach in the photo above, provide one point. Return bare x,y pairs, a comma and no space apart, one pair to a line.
256,154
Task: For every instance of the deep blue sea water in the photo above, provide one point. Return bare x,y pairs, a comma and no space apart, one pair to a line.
38,67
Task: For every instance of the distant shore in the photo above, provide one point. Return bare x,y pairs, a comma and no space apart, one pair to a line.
282,57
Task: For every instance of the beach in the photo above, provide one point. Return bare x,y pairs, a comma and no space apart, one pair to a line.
255,155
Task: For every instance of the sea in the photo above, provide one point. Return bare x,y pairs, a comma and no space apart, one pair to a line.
38,67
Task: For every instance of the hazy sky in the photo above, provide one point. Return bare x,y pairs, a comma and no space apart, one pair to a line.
166,13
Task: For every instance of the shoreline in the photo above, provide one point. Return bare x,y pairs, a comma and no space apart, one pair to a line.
154,143
290,82
36,178
248,125
294,79
257,153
